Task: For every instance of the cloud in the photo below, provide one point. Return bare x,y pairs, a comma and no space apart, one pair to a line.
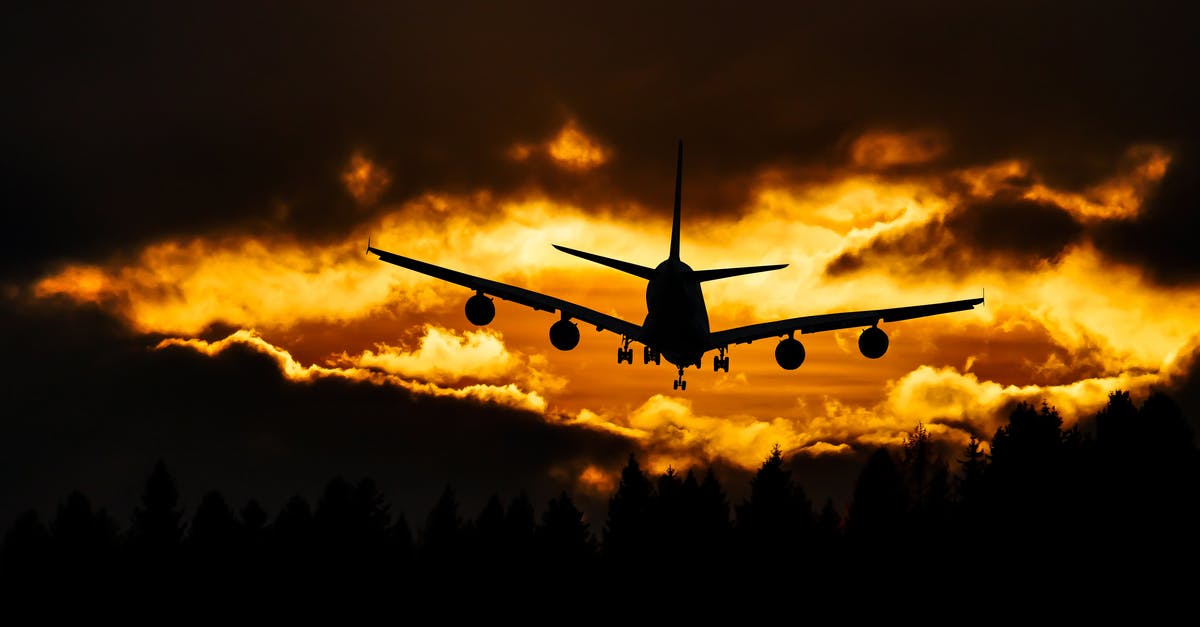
505,393
240,416
117,149
572,149
444,356
365,180
881,149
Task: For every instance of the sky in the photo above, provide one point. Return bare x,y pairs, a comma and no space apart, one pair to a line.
189,191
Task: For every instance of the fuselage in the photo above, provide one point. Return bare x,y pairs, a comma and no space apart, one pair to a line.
676,319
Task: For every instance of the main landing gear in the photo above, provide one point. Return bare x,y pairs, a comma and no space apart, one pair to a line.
651,355
721,362
680,384
625,354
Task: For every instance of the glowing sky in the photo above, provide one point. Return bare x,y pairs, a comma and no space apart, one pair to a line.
213,202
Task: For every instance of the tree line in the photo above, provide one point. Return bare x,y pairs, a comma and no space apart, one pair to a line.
1129,489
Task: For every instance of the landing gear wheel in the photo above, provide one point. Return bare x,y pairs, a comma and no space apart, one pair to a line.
721,362
651,355
624,353
680,384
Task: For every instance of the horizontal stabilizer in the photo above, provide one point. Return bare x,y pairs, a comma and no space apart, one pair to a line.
623,266
724,273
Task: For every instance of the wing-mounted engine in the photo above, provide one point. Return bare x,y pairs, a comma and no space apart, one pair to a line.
480,309
564,335
873,343
789,354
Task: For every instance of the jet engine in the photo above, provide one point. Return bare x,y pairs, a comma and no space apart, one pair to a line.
873,343
480,310
789,354
564,335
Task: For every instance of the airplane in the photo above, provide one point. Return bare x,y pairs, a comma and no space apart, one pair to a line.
676,324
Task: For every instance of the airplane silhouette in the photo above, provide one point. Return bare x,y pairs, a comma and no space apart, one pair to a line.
676,324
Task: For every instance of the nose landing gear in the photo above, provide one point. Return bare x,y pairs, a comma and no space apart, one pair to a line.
680,384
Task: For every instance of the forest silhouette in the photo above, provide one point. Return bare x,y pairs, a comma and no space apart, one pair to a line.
1050,501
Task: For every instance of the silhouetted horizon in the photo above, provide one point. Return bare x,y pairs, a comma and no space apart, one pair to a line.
1043,495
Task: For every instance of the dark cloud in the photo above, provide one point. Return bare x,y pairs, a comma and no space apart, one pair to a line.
91,406
136,121
1005,231
1162,239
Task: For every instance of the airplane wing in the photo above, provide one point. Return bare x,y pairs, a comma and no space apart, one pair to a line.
529,298
830,322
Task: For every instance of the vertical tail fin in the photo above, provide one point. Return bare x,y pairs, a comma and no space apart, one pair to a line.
675,224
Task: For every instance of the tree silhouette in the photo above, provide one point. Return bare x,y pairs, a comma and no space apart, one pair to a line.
972,481
157,528
878,513
213,539
25,556
291,542
441,539
84,541
1031,491
629,530
777,519
519,525
1050,500
563,538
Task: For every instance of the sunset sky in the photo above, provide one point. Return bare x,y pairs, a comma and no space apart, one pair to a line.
190,191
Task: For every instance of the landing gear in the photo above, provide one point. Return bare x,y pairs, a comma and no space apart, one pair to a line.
625,354
721,362
651,355
680,384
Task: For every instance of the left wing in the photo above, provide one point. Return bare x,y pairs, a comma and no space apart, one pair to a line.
830,322
529,298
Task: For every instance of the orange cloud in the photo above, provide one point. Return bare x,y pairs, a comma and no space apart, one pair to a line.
364,180
571,148
1132,330
444,356
1119,198
507,394
883,149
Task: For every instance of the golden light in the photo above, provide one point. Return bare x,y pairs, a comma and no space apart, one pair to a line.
1069,331
1118,198
573,149
883,149
595,480
364,180
506,394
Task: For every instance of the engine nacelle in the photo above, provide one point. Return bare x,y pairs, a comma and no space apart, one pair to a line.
789,354
480,310
564,335
873,343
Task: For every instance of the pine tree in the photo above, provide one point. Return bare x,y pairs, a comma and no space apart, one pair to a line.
629,531
563,538
777,518
84,541
441,538
157,529
877,516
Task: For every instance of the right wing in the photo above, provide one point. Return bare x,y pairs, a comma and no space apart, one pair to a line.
522,296
830,322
